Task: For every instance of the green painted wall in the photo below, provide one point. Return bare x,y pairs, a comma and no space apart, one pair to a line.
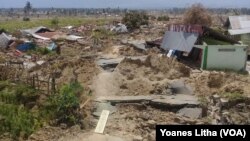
226,57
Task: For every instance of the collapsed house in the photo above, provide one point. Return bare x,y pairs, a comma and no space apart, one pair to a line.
39,33
239,26
205,48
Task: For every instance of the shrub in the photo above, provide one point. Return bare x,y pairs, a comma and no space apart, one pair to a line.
55,22
134,20
233,96
17,121
197,14
43,50
26,19
163,18
2,30
66,104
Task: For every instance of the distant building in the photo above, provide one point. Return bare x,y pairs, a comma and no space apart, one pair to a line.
239,25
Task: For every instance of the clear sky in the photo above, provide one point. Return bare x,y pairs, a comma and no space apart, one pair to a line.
123,3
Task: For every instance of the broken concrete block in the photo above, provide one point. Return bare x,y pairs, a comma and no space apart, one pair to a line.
177,100
193,113
104,106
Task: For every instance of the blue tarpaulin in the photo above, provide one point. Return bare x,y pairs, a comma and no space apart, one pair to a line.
25,47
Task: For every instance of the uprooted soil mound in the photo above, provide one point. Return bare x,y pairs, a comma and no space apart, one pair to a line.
208,83
138,119
158,64
149,76
67,70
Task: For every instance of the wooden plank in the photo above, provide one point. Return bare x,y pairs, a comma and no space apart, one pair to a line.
102,122
85,103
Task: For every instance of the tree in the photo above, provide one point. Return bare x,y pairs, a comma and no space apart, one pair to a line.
197,14
134,20
27,8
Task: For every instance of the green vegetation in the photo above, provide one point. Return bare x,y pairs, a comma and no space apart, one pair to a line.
65,105
26,19
16,116
2,30
163,18
203,100
55,22
13,25
102,34
233,96
19,118
134,20
211,41
43,50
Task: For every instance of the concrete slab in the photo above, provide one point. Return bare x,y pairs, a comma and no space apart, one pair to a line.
170,100
177,100
111,63
104,106
130,99
193,113
179,87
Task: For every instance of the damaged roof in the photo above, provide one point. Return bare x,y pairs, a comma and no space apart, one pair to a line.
4,40
37,30
239,24
181,41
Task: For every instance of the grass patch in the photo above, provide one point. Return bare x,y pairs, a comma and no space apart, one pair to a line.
13,25
19,118
16,116
233,96
203,100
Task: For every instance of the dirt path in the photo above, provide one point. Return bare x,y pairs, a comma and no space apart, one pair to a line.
105,84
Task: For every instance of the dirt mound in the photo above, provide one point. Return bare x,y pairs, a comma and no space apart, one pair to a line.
138,119
158,64
123,50
150,76
234,87
208,83
67,70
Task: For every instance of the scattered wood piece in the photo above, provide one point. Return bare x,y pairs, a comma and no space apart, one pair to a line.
102,122
85,103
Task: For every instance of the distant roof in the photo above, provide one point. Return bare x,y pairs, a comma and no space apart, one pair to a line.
239,24
181,41
36,30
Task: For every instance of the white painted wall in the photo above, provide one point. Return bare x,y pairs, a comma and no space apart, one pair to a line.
245,38
229,60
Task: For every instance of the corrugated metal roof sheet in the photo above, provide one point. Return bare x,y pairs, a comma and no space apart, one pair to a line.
179,41
239,24
36,29
4,40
